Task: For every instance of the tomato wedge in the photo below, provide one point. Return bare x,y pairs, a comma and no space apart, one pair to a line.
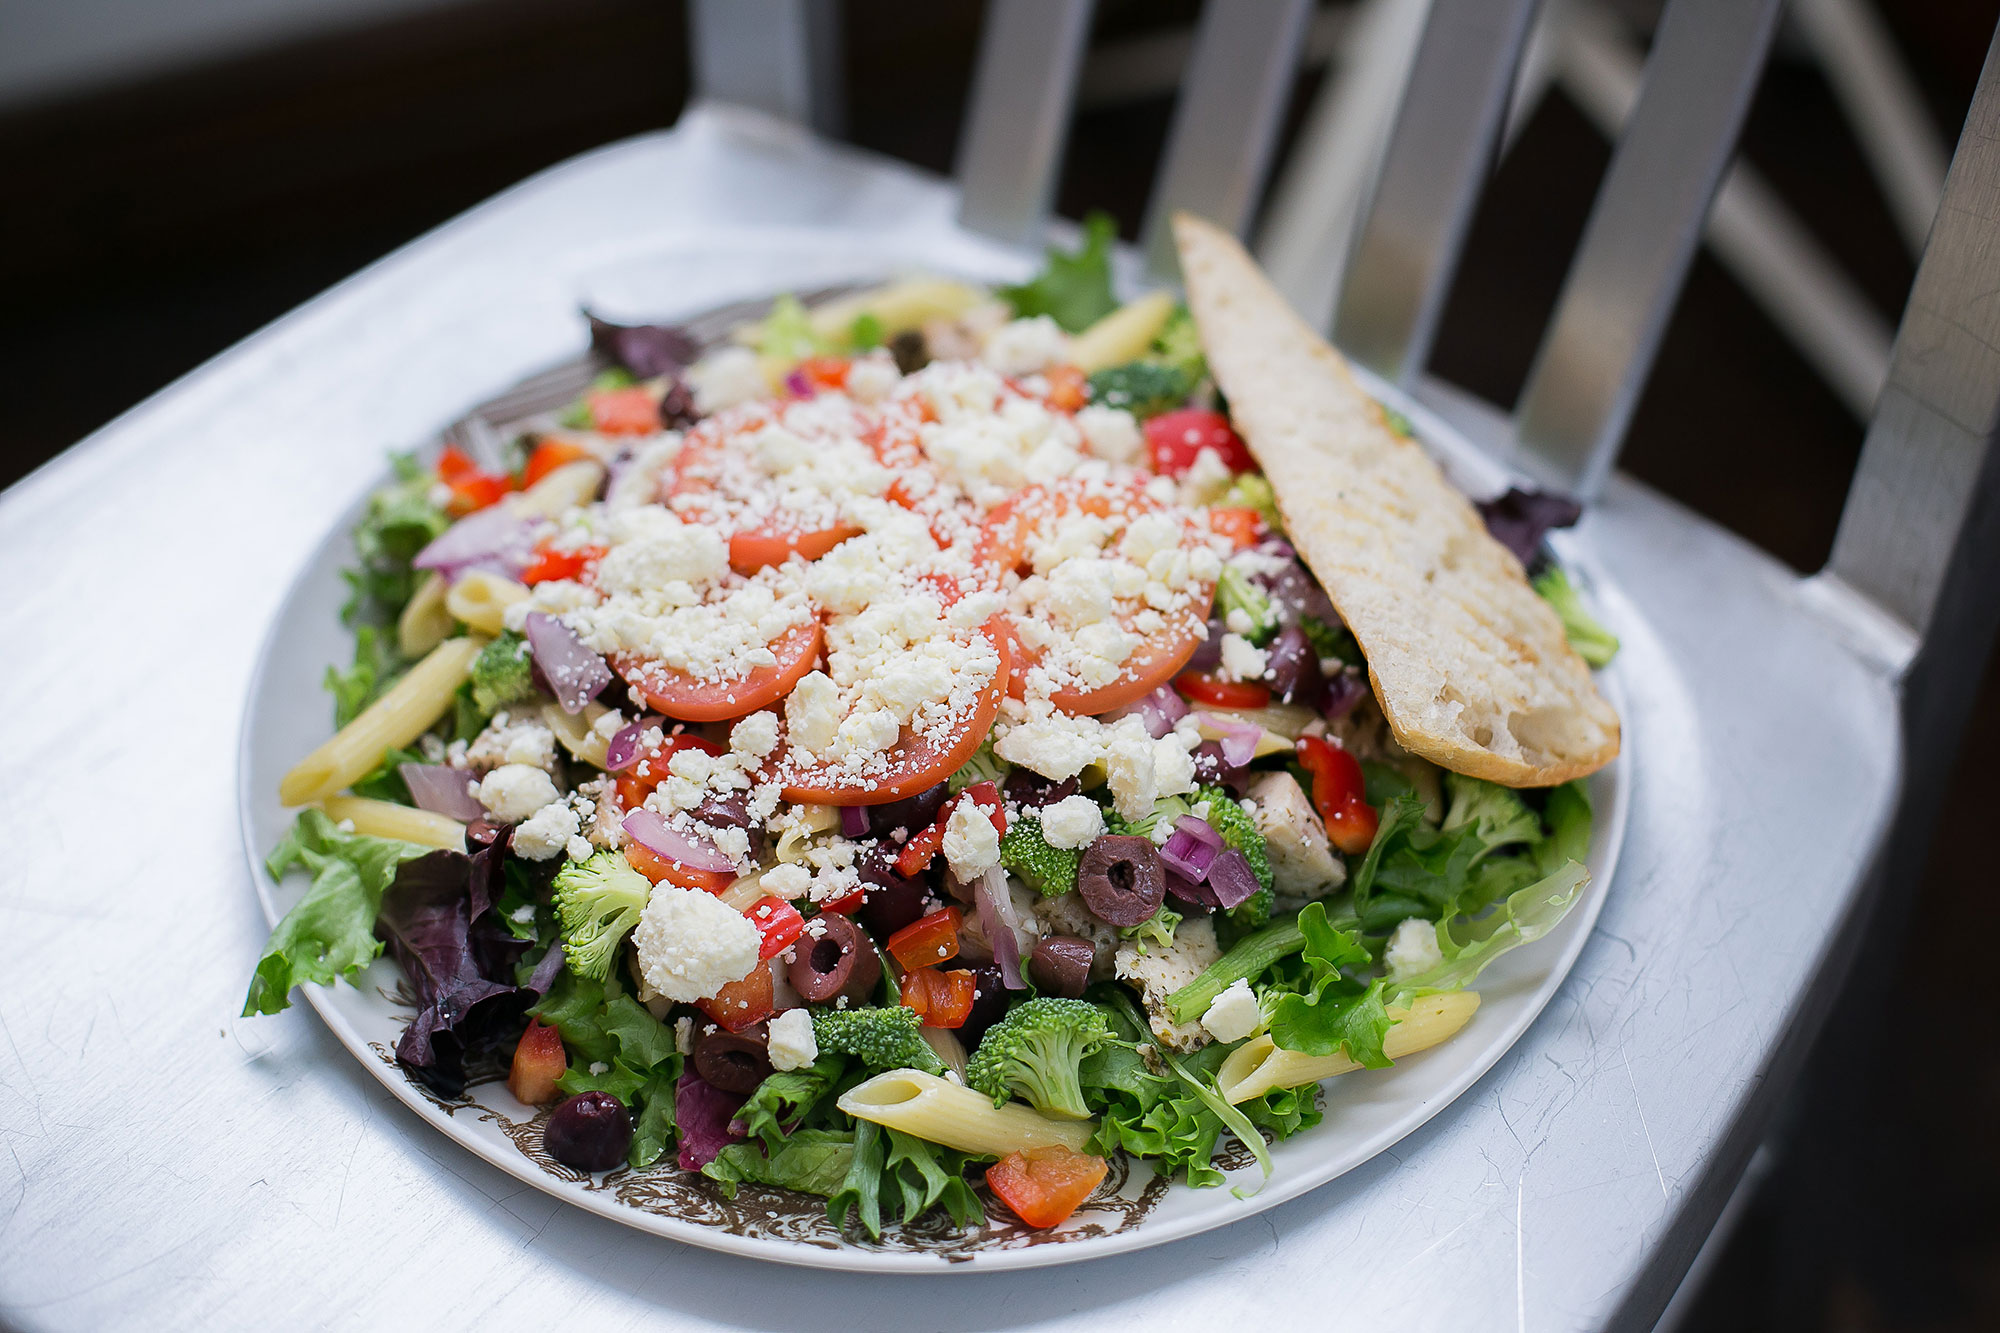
1208,689
917,763
1175,439
741,1003
753,549
691,699
1045,1185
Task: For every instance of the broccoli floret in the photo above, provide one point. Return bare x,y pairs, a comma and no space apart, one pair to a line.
1251,491
1336,641
1156,929
1143,388
1049,871
984,766
1235,592
879,1038
1156,823
597,902
502,673
1034,1053
1497,814
1179,345
1239,831
1593,643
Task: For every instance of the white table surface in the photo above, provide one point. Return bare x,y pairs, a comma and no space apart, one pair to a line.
170,1165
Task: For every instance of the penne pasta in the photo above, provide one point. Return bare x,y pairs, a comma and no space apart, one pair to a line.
1126,334
563,489
807,820
939,1111
386,819
578,731
1259,1065
480,598
745,891
421,697
424,623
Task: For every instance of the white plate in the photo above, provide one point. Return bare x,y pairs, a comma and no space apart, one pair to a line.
1365,1112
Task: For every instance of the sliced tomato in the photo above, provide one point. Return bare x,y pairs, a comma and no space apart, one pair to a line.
691,699
778,925
627,411
1241,526
917,763
649,770
538,1062
657,868
1206,689
941,999
928,940
1175,439
547,457
1045,1185
753,549
742,1003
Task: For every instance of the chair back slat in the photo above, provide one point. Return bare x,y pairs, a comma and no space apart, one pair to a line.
1919,534
1022,92
1438,157
777,56
1585,382
1226,121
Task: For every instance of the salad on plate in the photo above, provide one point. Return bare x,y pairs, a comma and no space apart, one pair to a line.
944,737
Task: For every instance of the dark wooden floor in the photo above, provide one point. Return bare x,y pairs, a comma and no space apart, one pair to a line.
155,226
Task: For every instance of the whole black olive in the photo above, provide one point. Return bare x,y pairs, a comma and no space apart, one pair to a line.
909,350
592,1131
910,814
733,1061
841,960
1122,879
1061,964
989,1005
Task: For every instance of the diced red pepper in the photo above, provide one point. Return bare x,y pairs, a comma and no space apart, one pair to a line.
1045,1185
454,463
1069,388
1175,439
550,563
538,1062
1339,794
927,940
826,372
474,491
778,922
656,868
847,903
547,457
925,843
1206,689
627,411
941,999
986,796
1241,526
741,1003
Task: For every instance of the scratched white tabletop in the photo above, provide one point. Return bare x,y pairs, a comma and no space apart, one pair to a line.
170,1165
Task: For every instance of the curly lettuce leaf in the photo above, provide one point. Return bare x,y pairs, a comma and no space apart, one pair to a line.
1334,1006
894,1177
1593,643
786,1098
330,932
812,1161
1471,944
1073,289
401,520
377,663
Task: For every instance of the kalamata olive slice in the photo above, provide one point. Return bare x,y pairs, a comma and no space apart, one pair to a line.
1122,879
989,1005
1032,791
893,901
1060,964
839,960
911,813
733,1061
592,1131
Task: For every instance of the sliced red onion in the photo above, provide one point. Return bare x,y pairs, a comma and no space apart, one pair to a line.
1158,710
854,821
646,828
1277,548
997,921
493,537
575,674
1191,848
1342,692
623,751
1295,594
1239,739
1192,891
798,385
1231,878
442,790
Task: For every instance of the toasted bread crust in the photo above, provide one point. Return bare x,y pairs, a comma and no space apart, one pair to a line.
1471,666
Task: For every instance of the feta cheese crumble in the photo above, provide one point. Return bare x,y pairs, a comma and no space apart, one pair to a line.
1233,1015
1074,821
691,944
513,792
791,1044
1413,948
